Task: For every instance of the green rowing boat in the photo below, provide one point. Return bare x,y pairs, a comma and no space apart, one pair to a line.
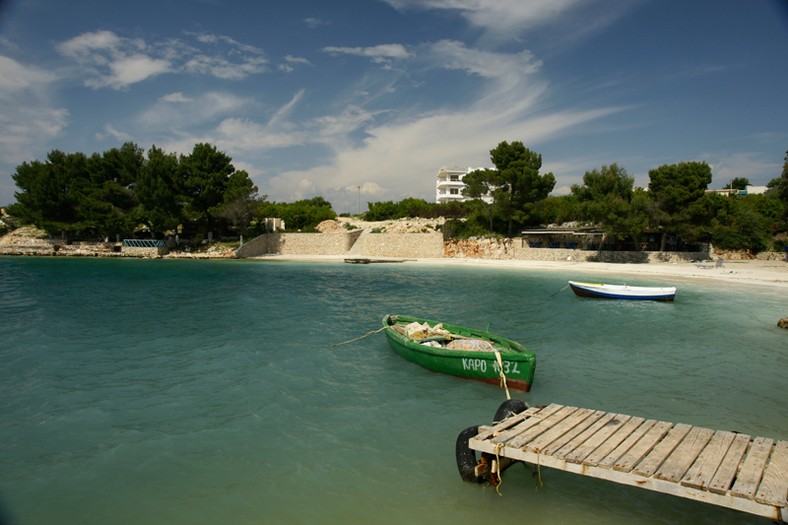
460,351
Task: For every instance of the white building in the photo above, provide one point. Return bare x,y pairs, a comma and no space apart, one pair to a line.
748,190
449,185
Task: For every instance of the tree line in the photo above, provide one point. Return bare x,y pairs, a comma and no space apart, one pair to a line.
675,208
127,192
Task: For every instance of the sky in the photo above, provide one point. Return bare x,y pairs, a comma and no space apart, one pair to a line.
363,101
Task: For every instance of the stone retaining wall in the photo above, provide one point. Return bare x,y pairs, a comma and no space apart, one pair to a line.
361,243
431,246
135,251
299,244
48,248
517,249
408,245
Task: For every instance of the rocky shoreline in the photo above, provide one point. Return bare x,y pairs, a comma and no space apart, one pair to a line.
30,241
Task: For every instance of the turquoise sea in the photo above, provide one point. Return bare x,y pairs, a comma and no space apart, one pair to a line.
207,392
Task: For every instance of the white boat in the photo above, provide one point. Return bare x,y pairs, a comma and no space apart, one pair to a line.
623,291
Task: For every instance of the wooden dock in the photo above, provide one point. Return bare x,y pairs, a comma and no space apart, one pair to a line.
723,468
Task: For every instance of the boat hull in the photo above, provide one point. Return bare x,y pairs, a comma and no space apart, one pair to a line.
518,362
632,293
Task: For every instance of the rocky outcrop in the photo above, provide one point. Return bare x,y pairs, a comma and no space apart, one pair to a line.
27,240
479,249
783,323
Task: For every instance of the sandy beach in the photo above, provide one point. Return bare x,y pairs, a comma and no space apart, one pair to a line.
770,273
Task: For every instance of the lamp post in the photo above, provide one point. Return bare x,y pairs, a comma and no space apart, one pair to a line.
359,199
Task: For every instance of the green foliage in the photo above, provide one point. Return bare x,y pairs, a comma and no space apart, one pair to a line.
515,185
606,198
779,188
465,229
674,189
741,229
301,215
159,190
53,191
410,207
381,211
559,210
739,183
478,184
240,201
205,174
113,193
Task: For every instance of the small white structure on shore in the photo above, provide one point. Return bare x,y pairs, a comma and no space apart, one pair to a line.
274,224
449,185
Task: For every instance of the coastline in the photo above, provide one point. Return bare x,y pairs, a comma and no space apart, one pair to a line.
768,273
771,273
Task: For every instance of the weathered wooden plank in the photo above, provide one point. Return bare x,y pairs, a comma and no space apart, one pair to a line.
612,457
533,420
654,459
557,431
623,432
644,445
496,429
700,474
684,455
751,470
726,473
578,440
580,452
774,487
565,442
680,460
544,425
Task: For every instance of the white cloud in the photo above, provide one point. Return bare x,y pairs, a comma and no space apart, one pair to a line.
313,22
237,135
730,165
130,70
379,53
111,131
176,111
28,118
501,20
333,129
501,15
297,60
220,67
16,78
84,46
291,62
109,60
456,55
281,114
175,97
399,160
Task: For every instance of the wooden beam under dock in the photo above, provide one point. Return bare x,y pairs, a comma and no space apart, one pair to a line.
728,469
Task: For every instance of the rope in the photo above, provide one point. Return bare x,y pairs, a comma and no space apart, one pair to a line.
497,467
361,337
500,372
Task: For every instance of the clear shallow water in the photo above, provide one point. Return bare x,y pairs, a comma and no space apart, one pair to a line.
203,392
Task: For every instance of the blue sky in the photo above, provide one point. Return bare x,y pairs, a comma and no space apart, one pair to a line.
363,100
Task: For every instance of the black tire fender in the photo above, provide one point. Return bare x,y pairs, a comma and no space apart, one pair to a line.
466,457
509,408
